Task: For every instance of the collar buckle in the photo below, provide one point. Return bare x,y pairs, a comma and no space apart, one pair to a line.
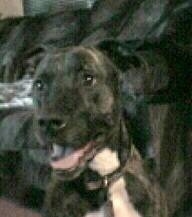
105,182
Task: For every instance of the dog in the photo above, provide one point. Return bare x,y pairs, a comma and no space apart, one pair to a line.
78,120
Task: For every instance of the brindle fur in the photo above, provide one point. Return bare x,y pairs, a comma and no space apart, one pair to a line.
64,96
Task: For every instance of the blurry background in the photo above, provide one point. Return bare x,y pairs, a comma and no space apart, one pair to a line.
11,8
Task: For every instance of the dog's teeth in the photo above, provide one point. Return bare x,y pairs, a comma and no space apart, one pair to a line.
57,151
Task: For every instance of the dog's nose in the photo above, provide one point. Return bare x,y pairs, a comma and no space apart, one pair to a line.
51,126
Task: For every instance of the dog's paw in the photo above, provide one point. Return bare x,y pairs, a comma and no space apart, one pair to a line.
105,162
96,214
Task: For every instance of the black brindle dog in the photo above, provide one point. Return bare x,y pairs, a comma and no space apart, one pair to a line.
78,119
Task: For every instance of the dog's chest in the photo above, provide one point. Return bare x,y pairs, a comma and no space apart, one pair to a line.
105,163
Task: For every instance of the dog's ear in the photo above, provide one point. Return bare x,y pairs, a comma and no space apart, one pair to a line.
122,54
135,113
133,106
33,58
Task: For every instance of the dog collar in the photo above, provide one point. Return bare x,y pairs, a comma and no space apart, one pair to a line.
107,180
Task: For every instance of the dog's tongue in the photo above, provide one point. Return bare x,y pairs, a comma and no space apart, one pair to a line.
70,161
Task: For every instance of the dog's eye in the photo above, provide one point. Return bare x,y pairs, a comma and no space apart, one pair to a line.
38,84
89,79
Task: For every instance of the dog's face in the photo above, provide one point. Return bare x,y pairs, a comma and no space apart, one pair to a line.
77,107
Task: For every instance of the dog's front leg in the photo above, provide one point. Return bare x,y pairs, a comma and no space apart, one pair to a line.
119,196
62,200
53,198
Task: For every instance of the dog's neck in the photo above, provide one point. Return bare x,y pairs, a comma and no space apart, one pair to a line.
105,162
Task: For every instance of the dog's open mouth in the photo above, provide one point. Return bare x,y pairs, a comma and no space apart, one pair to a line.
68,159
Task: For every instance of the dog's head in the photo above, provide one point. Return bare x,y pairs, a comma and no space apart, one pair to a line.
77,106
